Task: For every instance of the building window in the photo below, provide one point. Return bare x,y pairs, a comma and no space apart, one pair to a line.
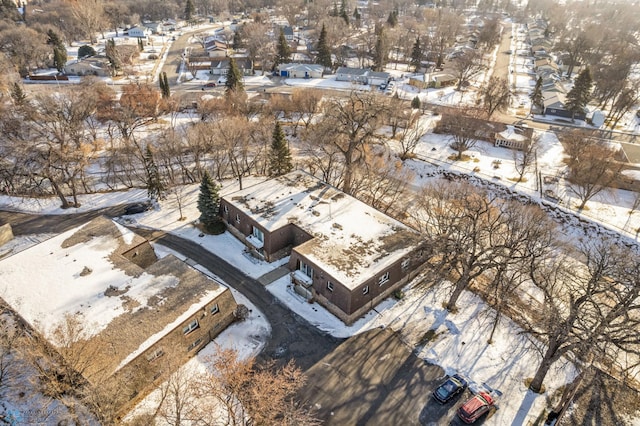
405,263
258,234
194,344
225,208
306,269
237,218
384,278
365,290
155,355
190,327
330,285
215,309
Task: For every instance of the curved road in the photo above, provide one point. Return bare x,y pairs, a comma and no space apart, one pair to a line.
292,338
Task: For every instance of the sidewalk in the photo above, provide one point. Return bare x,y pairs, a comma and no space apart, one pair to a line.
274,275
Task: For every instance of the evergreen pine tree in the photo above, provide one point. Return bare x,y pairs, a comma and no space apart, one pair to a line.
324,53
59,51
155,188
379,53
536,97
234,78
416,55
579,96
238,43
279,156
110,52
166,84
209,205
392,20
356,14
189,10
343,12
283,53
59,58
415,103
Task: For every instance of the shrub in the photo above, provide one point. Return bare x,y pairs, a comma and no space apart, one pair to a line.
153,56
85,51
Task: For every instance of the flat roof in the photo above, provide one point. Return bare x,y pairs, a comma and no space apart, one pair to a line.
353,241
123,307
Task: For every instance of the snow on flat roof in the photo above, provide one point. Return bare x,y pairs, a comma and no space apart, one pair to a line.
352,240
46,282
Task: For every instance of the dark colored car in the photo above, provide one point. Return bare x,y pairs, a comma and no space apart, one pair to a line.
212,84
476,407
137,208
453,386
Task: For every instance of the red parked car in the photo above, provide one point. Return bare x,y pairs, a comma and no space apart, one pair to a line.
476,407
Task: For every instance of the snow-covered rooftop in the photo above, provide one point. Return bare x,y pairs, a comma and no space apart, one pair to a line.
512,134
84,272
352,240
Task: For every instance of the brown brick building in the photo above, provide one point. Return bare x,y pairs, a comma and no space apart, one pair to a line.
343,253
142,316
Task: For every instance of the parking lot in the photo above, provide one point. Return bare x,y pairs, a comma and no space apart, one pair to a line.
375,379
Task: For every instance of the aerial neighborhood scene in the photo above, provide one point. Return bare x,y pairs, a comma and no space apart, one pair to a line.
323,212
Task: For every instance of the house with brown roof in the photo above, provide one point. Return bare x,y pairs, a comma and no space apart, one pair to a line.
143,316
343,253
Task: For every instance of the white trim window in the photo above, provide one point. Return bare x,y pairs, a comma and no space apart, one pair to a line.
215,309
383,278
237,218
306,269
190,327
330,286
365,290
225,208
257,234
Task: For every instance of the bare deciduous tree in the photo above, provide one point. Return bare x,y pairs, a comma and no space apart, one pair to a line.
466,66
592,165
524,159
495,95
590,310
350,125
250,394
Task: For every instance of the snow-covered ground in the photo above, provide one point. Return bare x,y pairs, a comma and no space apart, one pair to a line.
502,365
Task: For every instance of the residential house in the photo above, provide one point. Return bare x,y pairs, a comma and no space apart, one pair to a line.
215,48
354,75
94,65
143,316
300,70
156,27
515,137
344,254
221,66
362,76
139,32
554,104
442,79
288,33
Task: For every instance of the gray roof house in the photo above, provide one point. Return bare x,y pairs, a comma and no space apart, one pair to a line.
300,70
361,76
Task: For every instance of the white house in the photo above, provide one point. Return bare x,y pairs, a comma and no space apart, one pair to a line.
139,32
300,70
